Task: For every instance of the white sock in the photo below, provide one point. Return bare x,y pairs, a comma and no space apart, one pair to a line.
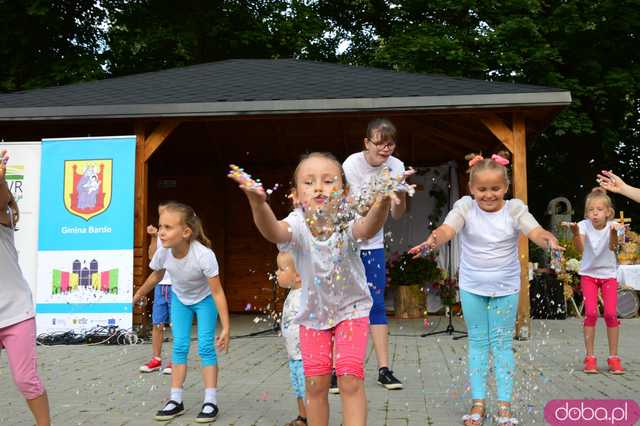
176,395
210,396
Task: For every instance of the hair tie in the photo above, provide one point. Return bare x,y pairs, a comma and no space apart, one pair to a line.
500,159
475,160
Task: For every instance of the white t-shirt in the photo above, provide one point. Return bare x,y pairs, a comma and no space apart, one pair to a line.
359,172
166,280
489,264
291,330
191,273
334,285
598,261
16,304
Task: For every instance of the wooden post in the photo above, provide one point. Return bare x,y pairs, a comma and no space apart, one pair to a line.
514,139
520,191
141,258
145,146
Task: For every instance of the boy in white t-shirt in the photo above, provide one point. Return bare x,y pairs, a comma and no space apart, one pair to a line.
596,238
161,309
289,278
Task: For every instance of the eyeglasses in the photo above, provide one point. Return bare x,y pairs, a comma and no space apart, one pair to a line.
382,145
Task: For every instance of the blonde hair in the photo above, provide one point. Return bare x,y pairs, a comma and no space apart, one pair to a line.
190,220
599,193
285,258
488,164
326,155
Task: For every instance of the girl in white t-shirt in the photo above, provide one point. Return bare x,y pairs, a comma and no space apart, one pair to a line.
335,303
489,277
196,289
596,238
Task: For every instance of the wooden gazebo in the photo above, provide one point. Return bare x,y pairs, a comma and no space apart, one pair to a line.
191,122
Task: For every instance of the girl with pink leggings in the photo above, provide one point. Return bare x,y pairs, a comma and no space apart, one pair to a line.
596,238
335,299
17,316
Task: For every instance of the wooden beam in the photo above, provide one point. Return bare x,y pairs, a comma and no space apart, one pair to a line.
140,222
158,136
520,191
499,129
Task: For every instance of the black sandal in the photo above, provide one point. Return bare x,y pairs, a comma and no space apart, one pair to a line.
207,417
164,414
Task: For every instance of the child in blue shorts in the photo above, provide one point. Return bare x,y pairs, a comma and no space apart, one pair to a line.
289,278
161,307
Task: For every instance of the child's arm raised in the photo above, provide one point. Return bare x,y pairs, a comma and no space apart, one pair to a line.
272,229
369,225
609,181
613,235
154,278
578,239
222,340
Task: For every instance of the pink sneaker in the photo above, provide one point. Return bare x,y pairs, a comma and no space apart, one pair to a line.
168,369
615,366
151,366
590,364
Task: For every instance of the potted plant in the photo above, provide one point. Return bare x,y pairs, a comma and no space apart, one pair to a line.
407,277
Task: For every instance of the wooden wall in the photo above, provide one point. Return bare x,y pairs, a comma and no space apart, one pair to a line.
192,163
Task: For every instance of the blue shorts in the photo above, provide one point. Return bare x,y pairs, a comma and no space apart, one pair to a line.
376,270
297,377
160,312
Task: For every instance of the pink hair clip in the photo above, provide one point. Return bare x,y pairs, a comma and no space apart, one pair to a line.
475,160
499,159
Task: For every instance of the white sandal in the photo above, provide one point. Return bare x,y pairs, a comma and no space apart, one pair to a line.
475,418
505,420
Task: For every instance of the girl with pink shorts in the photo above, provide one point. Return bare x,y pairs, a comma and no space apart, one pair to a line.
17,316
596,238
335,300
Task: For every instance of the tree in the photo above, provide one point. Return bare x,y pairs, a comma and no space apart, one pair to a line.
47,43
589,48
148,35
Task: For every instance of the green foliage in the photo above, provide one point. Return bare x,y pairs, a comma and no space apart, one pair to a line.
148,35
405,270
48,43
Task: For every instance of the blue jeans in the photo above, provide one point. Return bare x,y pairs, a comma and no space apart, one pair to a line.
182,317
490,324
376,271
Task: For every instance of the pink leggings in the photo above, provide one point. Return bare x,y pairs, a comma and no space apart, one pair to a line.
19,341
350,337
609,288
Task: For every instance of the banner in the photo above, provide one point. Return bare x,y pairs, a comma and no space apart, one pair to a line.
85,249
23,177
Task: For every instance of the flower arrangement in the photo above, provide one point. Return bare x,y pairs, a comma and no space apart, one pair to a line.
447,291
403,269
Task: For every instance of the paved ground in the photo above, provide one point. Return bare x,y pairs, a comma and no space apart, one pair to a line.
100,385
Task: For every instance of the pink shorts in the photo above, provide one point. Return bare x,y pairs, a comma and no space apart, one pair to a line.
350,337
19,341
